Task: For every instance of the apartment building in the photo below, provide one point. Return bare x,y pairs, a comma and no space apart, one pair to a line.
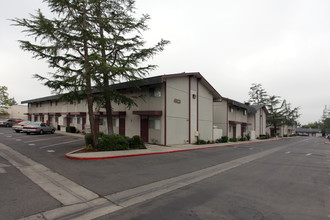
175,109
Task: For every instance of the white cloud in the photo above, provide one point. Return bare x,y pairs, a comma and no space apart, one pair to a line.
282,44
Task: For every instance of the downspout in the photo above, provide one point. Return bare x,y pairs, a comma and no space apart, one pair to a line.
227,120
165,113
198,104
189,93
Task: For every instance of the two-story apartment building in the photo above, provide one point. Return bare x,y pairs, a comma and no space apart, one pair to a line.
231,116
237,119
257,115
175,108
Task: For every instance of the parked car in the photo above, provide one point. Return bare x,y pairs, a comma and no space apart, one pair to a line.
7,122
38,128
19,127
18,120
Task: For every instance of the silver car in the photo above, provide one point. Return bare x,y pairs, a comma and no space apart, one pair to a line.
38,128
19,127
7,122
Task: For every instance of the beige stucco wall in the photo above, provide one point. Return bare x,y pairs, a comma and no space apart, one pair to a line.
132,121
16,111
258,122
177,111
193,109
205,113
237,116
178,100
220,116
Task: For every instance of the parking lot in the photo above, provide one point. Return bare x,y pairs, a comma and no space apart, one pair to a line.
41,147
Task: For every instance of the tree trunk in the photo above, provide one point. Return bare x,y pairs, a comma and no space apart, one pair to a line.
89,87
109,116
108,107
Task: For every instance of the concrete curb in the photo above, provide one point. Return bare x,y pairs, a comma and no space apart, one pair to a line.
109,154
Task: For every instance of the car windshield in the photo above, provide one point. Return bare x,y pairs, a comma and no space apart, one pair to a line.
3,119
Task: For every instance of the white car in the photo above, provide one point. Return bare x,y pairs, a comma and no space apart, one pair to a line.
38,128
19,127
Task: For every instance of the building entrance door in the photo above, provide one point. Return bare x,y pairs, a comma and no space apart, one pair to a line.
234,131
122,128
144,128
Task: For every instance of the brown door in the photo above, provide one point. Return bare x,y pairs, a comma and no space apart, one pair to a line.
83,123
50,120
122,126
144,128
242,131
234,131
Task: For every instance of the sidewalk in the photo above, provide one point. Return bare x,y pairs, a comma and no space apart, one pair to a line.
153,149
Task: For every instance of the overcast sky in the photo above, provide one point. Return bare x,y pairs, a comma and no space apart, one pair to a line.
282,44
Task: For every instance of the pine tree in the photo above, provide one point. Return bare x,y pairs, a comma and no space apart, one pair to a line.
258,95
64,42
280,112
121,50
91,42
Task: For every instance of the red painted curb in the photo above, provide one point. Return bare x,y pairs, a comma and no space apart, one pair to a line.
154,153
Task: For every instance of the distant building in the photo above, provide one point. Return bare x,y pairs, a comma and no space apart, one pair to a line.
315,132
15,111
237,119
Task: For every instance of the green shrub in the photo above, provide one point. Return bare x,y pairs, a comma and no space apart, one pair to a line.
112,142
243,139
201,142
88,139
224,139
248,136
264,136
233,139
136,142
285,135
70,129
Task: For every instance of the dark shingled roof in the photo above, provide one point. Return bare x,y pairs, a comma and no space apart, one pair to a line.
254,108
139,83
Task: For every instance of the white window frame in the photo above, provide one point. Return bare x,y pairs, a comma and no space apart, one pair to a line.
154,123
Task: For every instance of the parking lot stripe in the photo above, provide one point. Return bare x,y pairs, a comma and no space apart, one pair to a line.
52,145
59,187
43,139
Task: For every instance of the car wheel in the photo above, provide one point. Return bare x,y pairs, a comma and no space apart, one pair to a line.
17,131
53,131
41,132
7,125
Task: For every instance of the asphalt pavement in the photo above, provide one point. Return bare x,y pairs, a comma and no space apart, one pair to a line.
285,178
